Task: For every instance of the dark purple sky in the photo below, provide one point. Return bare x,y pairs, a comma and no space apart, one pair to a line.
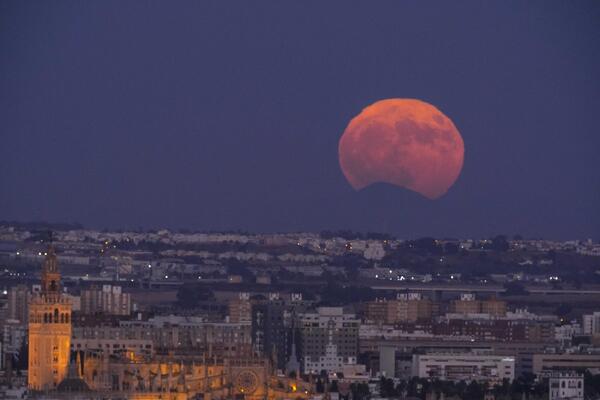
226,115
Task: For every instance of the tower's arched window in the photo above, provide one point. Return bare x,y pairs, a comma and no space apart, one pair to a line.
67,318
62,318
45,317
53,286
56,315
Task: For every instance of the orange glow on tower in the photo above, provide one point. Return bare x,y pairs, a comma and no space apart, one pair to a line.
49,330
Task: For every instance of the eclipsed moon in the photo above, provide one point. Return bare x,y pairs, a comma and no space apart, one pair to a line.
403,142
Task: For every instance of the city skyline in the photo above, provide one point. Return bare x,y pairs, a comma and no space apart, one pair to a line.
340,200
148,315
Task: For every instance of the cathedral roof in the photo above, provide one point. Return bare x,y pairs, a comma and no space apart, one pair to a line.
73,382
70,384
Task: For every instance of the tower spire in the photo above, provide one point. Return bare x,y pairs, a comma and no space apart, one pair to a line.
50,274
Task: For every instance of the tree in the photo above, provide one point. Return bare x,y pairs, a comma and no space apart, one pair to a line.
413,386
515,289
387,388
235,267
334,386
353,273
500,243
334,294
591,385
189,295
502,390
378,236
427,245
474,391
563,310
451,248
360,391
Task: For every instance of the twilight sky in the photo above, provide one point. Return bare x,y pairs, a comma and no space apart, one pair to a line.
217,115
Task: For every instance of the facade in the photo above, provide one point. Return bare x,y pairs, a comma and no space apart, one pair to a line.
107,300
49,330
328,335
186,379
96,376
14,333
566,385
113,346
331,361
271,330
18,299
412,307
591,324
498,329
376,311
468,304
394,363
240,309
493,307
171,334
522,352
408,307
467,367
565,362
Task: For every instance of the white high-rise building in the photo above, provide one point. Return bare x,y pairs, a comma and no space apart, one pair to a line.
591,324
329,339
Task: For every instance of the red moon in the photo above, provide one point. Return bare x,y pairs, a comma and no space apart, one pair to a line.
403,142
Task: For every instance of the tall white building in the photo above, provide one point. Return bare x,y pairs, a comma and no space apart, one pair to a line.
329,339
566,385
565,333
591,324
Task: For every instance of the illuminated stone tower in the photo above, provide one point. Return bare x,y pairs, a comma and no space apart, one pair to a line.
49,330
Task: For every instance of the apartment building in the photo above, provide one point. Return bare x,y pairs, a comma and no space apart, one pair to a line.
18,297
107,299
329,333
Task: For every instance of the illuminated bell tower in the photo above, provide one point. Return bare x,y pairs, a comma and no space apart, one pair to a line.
49,330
